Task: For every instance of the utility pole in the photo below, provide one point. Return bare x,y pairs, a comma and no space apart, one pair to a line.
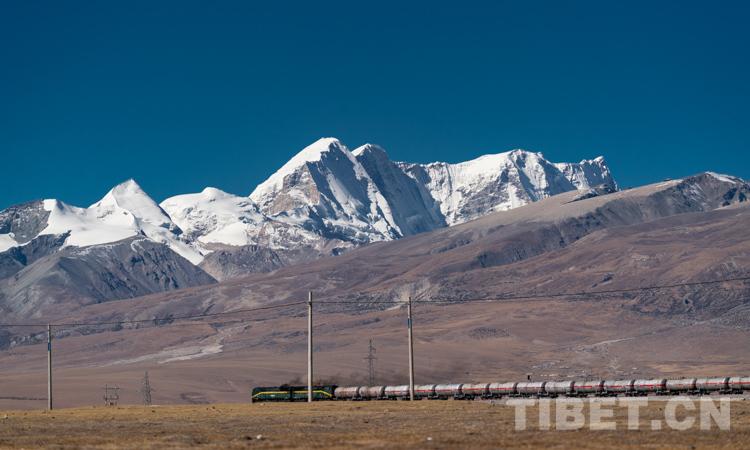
309,348
49,367
411,354
371,364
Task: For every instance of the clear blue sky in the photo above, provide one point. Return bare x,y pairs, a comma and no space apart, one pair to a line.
182,95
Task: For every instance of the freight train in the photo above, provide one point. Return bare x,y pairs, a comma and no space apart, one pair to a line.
551,389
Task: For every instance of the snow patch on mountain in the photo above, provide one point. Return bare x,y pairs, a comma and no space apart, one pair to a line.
214,216
125,211
7,241
588,173
724,178
84,226
498,182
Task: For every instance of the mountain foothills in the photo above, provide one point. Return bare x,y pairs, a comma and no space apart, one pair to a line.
326,200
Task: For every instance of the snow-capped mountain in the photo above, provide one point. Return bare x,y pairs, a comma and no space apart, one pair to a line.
503,181
214,216
362,196
215,219
125,211
324,200
412,206
326,189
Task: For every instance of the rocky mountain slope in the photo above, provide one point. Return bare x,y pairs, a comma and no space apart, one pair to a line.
482,258
57,282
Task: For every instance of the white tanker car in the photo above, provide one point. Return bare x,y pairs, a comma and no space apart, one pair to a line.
578,388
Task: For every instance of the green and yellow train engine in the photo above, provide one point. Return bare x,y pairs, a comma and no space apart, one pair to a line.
286,393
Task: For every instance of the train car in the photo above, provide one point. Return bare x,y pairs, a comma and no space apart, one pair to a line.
373,392
585,388
286,393
681,386
445,391
476,390
503,389
739,384
709,385
531,388
424,391
650,386
347,393
613,388
558,388
396,392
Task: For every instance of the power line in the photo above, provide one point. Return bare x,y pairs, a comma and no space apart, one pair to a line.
157,320
551,295
591,293
542,297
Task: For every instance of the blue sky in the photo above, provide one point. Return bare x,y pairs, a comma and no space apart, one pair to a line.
182,95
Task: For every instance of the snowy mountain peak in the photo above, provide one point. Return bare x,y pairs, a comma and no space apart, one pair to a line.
501,181
588,173
314,152
130,200
725,178
522,153
213,194
362,194
125,211
369,148
324,148
128,187
216,217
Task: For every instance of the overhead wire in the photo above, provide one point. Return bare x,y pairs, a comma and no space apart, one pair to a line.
545,296
419,299
166,320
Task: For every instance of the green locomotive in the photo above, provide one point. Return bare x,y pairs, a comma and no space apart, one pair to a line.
286,393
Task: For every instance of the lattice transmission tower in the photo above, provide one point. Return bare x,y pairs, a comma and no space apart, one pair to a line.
111,395
371,364
146,390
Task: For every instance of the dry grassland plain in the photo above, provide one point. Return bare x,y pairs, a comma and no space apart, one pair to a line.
382,424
